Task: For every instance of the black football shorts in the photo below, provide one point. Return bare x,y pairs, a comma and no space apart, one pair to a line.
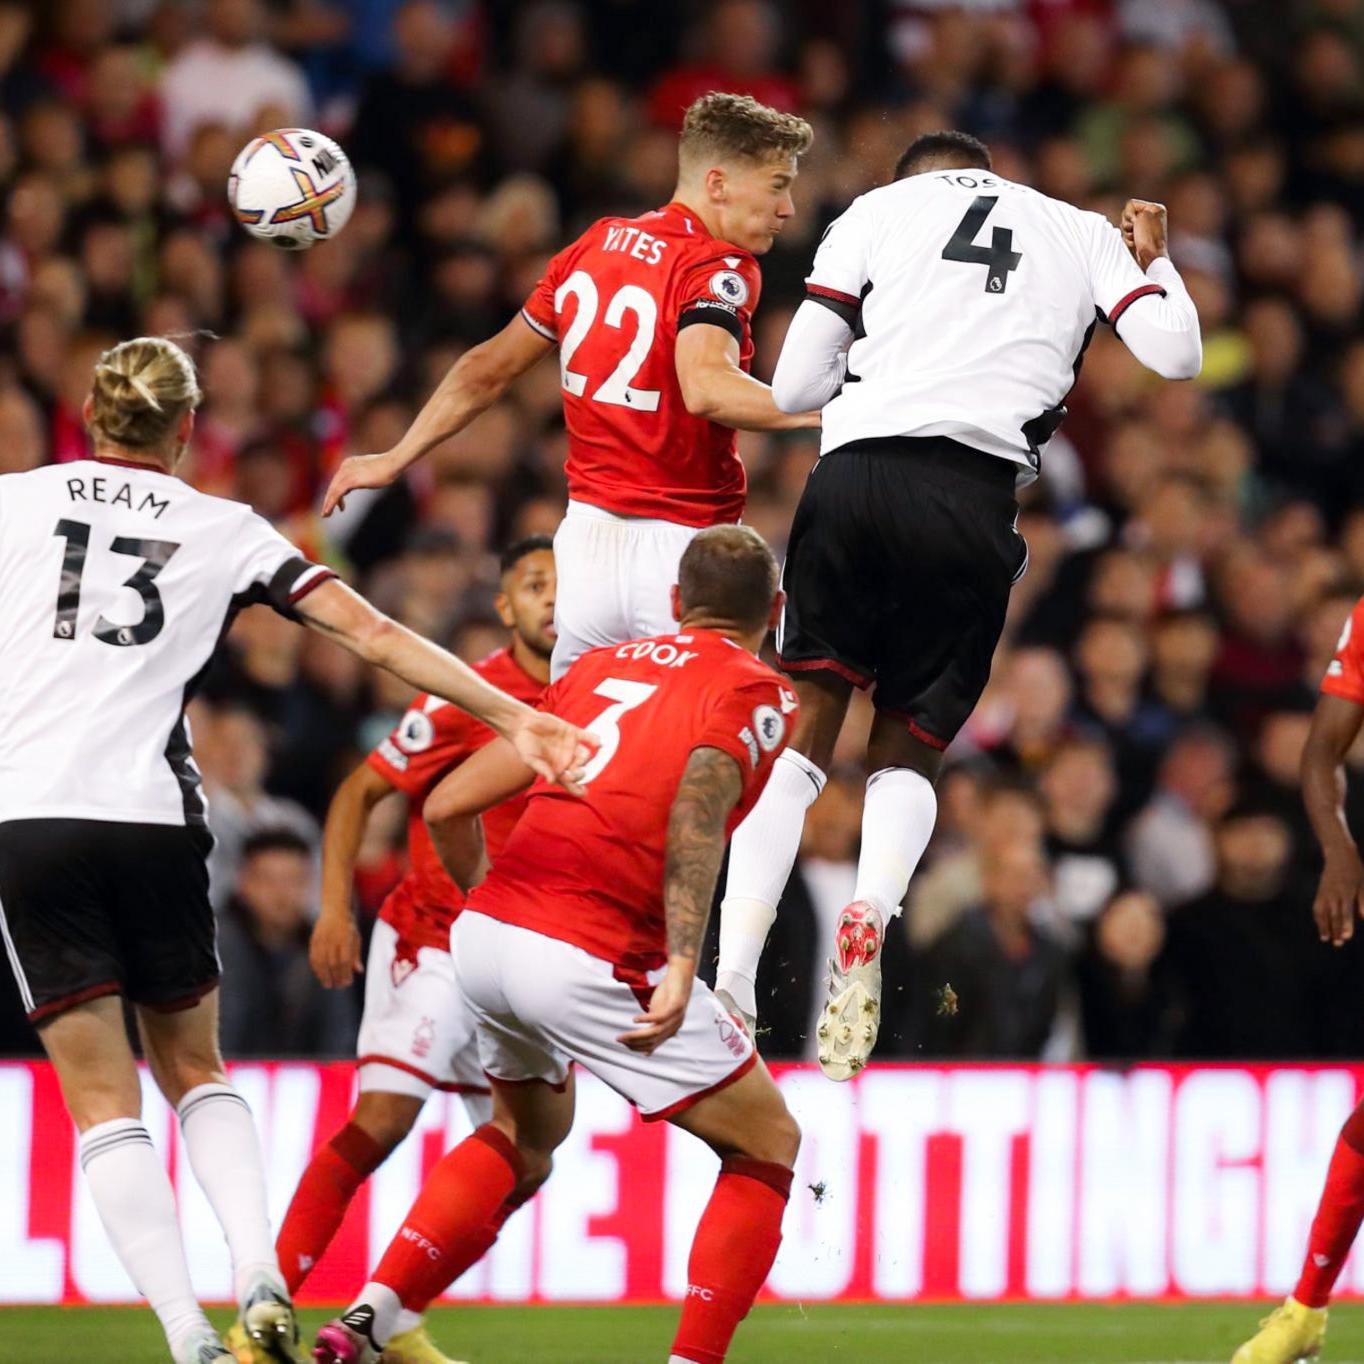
94,907
897,575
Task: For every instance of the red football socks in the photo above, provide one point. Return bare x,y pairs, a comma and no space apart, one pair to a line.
455,1219
731,1257
1339,1214
319,1203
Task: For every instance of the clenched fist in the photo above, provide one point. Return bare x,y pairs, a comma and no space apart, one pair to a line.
1143,229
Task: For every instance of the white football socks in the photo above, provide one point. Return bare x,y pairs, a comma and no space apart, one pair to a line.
761,856
897,821
224,1153
132,1193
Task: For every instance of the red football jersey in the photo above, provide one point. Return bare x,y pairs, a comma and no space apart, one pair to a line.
614,301
1345,673
589,870
431,738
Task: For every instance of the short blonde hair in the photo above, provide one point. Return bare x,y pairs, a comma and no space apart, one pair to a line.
141,389
731,127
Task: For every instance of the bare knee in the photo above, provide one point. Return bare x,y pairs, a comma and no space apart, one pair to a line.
890,744
177,1071
386,1117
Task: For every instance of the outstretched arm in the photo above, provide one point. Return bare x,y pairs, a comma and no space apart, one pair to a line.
474,382
1335,726
710,788
552,748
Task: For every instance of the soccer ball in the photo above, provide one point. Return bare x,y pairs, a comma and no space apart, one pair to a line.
292,187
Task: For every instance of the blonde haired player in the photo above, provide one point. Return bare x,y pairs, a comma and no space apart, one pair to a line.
120,580
652,319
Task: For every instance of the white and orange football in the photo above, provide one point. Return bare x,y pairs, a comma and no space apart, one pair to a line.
292,187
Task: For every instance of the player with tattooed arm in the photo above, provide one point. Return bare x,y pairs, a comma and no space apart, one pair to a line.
582,944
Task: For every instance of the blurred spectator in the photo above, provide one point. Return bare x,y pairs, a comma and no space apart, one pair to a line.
1006,974
1078,790
1127,1000
230,749
1170,842
230,76
1247,962
737,51
272,1005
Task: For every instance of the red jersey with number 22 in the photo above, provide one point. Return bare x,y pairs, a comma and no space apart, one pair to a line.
615,301
431,738
589,870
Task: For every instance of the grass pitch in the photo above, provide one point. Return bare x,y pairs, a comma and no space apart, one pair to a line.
1127,1334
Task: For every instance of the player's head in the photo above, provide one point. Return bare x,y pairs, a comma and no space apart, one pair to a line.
944,150
143,398
727,580
736,163
525,600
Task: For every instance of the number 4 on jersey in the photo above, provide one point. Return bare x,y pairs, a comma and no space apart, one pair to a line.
999,257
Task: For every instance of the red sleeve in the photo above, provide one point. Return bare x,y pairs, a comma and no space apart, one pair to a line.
1345,674
538,310
721,290
425,745
750,722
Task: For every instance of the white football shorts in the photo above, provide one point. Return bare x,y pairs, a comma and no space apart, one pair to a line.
543,1004
418,1031
615,578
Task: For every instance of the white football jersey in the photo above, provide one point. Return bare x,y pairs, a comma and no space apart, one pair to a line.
977,298
119,581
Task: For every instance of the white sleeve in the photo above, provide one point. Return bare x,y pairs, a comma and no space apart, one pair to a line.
840,273
1163,332
268,568
813,360
1162,329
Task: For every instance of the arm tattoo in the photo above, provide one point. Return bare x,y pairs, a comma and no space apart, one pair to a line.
710,788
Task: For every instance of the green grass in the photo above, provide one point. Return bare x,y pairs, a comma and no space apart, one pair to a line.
1128,1334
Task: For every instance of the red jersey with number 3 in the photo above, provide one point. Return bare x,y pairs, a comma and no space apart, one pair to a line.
614,301
589,870
1345,673
431,738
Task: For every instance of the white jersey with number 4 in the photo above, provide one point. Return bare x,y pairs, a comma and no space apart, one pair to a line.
119,580
973,299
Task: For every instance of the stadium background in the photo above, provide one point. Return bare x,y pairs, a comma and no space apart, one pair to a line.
1122,870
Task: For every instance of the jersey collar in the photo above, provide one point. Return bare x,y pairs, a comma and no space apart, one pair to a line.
689,215
131,464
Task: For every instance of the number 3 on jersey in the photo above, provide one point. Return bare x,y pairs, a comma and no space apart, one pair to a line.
626,696
629,298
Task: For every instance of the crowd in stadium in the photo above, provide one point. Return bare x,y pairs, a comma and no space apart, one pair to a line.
1122,861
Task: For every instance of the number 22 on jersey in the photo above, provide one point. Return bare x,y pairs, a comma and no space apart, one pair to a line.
617,389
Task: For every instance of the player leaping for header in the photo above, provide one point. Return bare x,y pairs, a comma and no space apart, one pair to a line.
652,318
944,322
